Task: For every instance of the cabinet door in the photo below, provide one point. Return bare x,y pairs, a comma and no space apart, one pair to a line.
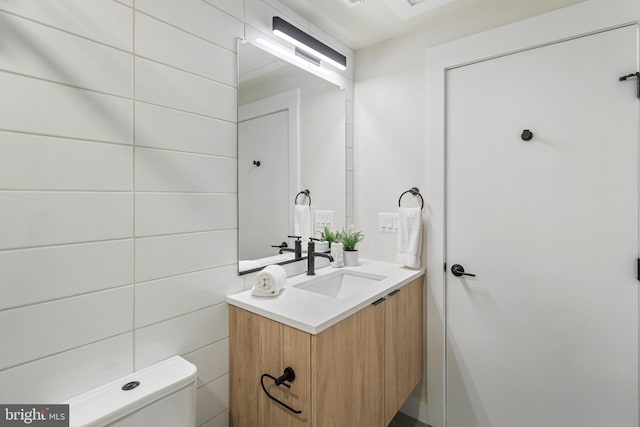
259,345
335,360
369,395
403,347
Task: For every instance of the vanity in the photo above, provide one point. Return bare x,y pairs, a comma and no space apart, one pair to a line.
352,337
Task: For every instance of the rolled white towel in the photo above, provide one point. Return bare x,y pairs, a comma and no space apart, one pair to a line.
269,281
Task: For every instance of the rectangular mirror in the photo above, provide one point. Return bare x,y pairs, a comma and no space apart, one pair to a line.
291,138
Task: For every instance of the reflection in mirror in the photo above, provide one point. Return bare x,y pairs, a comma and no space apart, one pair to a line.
291,137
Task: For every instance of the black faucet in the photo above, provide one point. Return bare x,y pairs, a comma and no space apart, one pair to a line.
311,257
297,251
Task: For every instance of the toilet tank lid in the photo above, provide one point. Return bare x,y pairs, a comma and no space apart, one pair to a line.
109,402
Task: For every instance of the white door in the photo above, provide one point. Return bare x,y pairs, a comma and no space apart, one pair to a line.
263,204
546,334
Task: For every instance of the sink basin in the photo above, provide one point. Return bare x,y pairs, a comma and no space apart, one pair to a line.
340,284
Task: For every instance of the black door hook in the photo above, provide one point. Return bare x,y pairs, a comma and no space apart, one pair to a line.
256,163
527,135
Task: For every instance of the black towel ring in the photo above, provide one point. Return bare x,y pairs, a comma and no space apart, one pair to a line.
414,191
306,193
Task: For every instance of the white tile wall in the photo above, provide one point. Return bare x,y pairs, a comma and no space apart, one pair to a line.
162,85
163,299
159,170
48,218
212,399
175,130
37,106
183,50
54,326
181,335
219,352
160,257
118,193
198,18
221,420
64,375
41,274
30,48
102,20
33,162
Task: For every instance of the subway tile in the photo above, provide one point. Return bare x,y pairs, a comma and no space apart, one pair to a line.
212,361
31,162
350,113
181,335
62,376
37,106
197,17
232,7
166,86
31,276
158,170
169,45
160,213
221,420
349,159
41,218
212,399
160,257
166,298
33,49
102,20
350,135
52,327
349,183
349,205
171,129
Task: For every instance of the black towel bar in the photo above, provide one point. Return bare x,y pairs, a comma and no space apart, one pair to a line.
304,192
414,191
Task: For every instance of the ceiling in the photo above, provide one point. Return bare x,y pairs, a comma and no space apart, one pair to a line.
374,21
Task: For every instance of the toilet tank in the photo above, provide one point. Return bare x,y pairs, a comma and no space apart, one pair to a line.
161,395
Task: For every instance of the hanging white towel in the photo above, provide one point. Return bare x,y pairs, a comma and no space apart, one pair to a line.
269,281
409,237
302,222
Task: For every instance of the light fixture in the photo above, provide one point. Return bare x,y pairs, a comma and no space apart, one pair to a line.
309,44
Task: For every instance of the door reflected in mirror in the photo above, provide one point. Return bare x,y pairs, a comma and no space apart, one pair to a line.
291,138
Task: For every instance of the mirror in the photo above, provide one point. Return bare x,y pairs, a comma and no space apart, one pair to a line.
291,138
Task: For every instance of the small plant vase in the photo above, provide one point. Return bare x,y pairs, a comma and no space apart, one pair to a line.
351,259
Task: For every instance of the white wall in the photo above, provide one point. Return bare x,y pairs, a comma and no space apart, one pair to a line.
118,192
397,85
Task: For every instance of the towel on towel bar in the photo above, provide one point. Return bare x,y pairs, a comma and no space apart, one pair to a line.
409,237
269,281
302,222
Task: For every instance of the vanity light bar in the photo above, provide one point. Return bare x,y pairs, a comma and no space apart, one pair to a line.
304,41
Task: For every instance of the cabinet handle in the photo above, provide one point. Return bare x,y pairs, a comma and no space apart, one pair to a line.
394,292
378,301
288,375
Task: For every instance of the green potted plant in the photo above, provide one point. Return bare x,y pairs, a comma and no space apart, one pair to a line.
329,236
349,239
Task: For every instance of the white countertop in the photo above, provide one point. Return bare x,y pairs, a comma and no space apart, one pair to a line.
312,312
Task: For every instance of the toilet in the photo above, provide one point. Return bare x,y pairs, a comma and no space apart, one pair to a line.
161,395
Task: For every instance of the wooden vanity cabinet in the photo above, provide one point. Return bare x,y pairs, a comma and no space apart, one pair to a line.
357,373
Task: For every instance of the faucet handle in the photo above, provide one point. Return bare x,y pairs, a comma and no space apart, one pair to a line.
295,237
281,245
313,239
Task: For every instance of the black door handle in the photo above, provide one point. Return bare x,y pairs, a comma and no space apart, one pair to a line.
458,271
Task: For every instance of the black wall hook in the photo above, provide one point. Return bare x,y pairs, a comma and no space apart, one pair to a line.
526,135
256,163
